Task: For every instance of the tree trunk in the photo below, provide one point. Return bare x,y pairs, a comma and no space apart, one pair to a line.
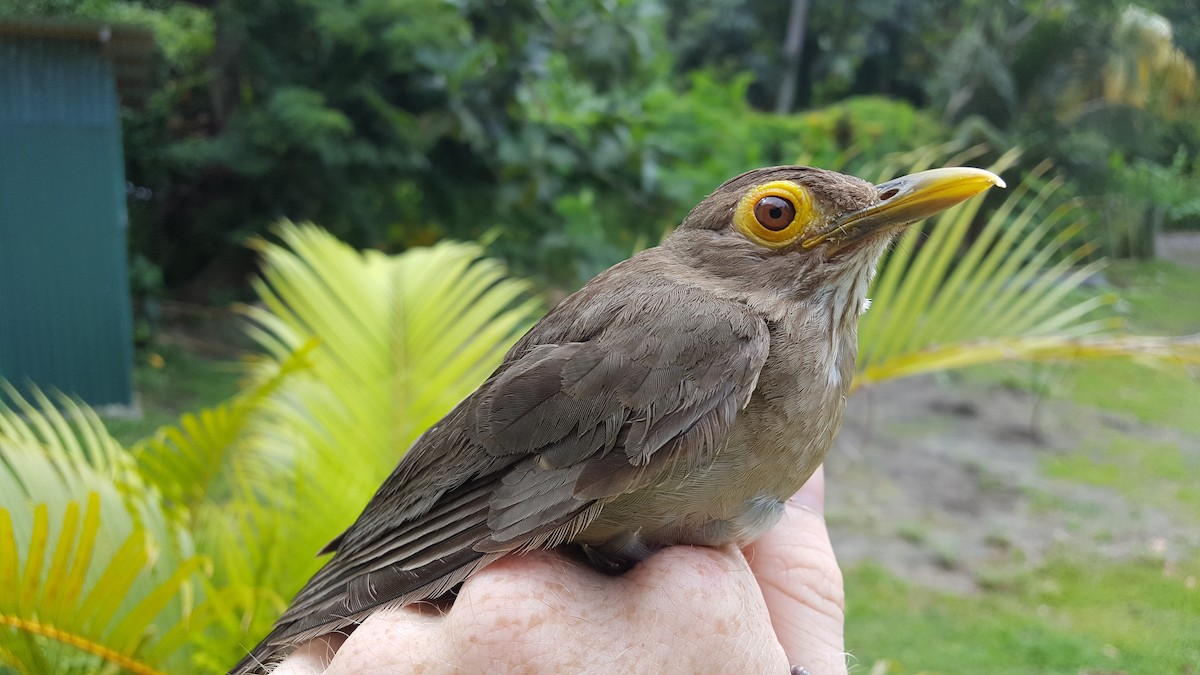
793,48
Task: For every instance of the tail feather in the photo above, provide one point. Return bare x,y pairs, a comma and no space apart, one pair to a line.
418,559
394,587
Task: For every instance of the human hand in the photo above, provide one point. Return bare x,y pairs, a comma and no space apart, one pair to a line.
686,609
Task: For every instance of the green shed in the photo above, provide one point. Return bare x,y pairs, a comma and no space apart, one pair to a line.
65,316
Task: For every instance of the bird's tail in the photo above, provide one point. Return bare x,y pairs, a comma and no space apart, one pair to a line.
322,613
414,560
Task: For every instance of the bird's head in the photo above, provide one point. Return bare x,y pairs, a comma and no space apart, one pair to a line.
794,227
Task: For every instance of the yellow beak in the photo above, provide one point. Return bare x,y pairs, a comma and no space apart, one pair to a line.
906,200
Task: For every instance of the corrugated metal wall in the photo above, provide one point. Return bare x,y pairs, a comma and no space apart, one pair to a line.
65,319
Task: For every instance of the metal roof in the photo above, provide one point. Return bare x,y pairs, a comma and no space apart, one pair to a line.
131,49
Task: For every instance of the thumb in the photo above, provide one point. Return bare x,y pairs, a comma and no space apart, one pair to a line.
801,582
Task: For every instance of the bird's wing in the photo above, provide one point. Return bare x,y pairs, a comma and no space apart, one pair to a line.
594,419
524,462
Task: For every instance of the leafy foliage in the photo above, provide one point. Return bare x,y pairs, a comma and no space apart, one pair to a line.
400,340
1093,89
92,571
395,124
191,462
398,123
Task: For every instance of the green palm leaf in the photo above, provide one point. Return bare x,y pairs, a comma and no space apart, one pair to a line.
401,340
92,572
193,461
1012,292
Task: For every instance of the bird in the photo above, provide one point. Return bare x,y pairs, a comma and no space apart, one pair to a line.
679,397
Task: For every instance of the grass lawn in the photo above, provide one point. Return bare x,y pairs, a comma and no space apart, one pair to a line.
1069,616
1073,613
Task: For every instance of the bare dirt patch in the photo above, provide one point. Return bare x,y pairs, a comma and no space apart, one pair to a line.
1179,247
945,486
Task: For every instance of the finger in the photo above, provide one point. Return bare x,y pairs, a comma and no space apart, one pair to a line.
706,604
422,638
802,584
395,640
683,610
312,657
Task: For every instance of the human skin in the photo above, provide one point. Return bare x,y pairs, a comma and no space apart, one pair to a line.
762,609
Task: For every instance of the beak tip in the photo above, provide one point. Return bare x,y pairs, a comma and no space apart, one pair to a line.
988,176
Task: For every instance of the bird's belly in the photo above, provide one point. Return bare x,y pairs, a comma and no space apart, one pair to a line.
737,494
734,500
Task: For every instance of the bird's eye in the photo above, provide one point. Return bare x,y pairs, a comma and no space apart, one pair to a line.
774,213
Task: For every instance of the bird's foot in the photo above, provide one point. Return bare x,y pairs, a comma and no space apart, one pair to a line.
607,562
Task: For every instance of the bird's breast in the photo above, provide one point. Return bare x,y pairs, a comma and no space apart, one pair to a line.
779,439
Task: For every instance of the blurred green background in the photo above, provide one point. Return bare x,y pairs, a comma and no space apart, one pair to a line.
573,132
1009,518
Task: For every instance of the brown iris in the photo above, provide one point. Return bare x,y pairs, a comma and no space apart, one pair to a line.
774,213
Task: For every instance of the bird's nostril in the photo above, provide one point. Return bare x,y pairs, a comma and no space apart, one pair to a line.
888,194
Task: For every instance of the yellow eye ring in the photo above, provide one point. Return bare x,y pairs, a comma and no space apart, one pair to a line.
774,214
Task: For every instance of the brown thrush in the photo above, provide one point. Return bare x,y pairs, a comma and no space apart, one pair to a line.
678,398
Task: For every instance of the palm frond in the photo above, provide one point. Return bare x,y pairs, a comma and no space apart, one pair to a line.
92,572
260,557
1012,291
1150,350
191,461
412,333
